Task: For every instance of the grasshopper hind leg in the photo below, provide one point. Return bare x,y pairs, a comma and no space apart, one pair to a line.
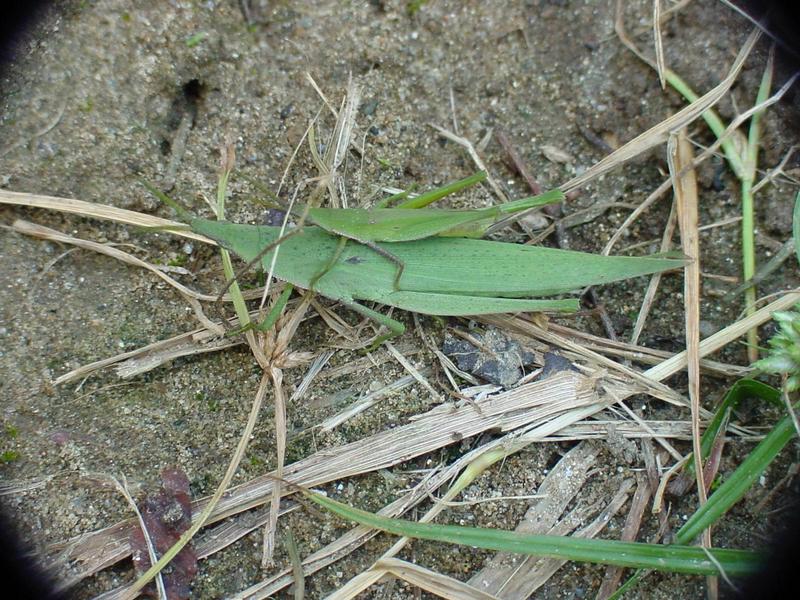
391,257
372,246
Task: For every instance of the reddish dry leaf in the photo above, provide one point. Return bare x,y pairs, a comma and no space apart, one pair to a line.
167,514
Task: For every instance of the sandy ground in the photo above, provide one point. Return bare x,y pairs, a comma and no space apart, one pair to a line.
105,93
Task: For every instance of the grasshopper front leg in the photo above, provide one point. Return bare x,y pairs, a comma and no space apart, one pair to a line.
388,256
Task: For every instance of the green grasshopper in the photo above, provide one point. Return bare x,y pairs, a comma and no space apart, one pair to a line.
443,275
400,224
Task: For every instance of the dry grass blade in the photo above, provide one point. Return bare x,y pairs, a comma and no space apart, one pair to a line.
370,400
547,406
652,286
45,233
725,336
277,345
473,153
332,109
631,218
641,354
424,488
413,371
560,488
215,539
480,460
144,359
359,535
632,523
580,352
430,581
313,370
658,43
534,573
122,488
98,211
203,518
680,159
658,135
280,455
679,155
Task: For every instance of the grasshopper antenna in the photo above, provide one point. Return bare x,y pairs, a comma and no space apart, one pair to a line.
183,214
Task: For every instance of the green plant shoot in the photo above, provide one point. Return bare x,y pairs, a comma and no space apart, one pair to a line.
443,276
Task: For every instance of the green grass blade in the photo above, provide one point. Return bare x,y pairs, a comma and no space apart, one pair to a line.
796,226
393,198
732,489
740,390
276,310
680,559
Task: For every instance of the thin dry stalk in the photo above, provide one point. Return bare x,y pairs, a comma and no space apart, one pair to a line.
313,370
215,539
629,532
773,173
641,354
534,573
563,399
146,358
631,218
280,456
679,155
277,346
652,286
561,488
331,108
369,400
122,488
203,518
473,153
723,337
579,352
657,134
413,371
45,233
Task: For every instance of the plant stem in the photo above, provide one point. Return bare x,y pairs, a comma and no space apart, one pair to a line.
227,265
748,210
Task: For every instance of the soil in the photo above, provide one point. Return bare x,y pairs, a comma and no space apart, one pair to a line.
94,102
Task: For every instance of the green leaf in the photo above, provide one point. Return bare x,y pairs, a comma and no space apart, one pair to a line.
680,559
796,226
